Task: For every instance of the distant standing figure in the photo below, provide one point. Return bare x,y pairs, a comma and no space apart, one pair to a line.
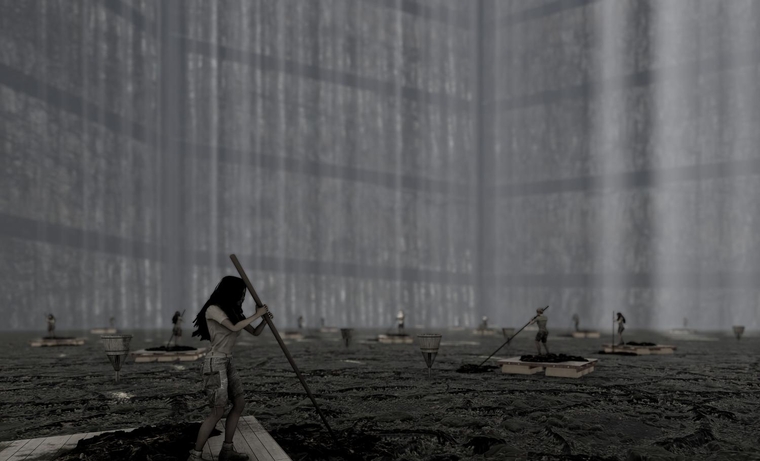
484,323
112,322
577,321
400,321
51,325
620,321
300,322
322,322
543,333
177,329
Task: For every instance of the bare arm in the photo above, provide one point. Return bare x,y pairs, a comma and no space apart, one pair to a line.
246,322
258,330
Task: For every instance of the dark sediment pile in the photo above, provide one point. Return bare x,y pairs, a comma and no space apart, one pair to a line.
552,358
634,343
167,442
171,349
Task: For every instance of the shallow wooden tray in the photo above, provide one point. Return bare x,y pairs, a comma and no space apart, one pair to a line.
486,332
659,349
395,339
514,365
586,334
52,342
143,356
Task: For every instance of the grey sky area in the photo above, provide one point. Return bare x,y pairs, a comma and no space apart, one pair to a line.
452,159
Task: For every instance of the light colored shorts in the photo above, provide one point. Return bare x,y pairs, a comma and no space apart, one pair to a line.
220,381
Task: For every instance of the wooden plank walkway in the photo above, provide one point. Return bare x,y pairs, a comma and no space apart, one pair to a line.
250,438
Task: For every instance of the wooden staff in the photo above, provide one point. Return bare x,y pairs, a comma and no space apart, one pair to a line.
284,348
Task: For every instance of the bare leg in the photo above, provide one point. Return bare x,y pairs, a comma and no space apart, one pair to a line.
538,347
207,426
232,418
546,346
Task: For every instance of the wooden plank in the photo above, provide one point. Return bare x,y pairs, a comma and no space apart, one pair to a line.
253,440
207,452
215,443
12,448
49,447
242,445
269,443
26,450
72,442
565,372
520,370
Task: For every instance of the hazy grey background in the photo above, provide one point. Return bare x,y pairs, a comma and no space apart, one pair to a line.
449,158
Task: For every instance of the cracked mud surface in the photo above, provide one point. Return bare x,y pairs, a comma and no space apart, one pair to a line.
700,403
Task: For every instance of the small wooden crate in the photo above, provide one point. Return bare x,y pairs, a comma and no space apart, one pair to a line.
103,331
52,342
514,365
659,349
586,334
144,356
395,339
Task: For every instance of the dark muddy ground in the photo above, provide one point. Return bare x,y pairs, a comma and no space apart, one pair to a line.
701,403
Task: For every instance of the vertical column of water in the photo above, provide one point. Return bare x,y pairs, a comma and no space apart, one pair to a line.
607,151
216,219
741,206
281,184
396,75
673,109
100,149
128,217
85,295
247,175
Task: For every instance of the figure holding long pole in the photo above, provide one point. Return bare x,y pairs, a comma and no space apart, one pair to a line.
512,337
220,321
284,348
543,333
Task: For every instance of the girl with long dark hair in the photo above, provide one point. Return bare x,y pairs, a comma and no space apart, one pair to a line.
220,321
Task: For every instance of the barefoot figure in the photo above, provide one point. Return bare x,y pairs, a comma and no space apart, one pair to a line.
620,321
543,333
220,321
400,322
300,322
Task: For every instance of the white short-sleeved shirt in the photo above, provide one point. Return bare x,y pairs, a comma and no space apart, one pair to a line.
222,339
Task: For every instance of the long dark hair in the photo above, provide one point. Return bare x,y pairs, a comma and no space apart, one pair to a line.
227,296
620,316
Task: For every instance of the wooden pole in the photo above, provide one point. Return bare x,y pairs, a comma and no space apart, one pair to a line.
284,348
